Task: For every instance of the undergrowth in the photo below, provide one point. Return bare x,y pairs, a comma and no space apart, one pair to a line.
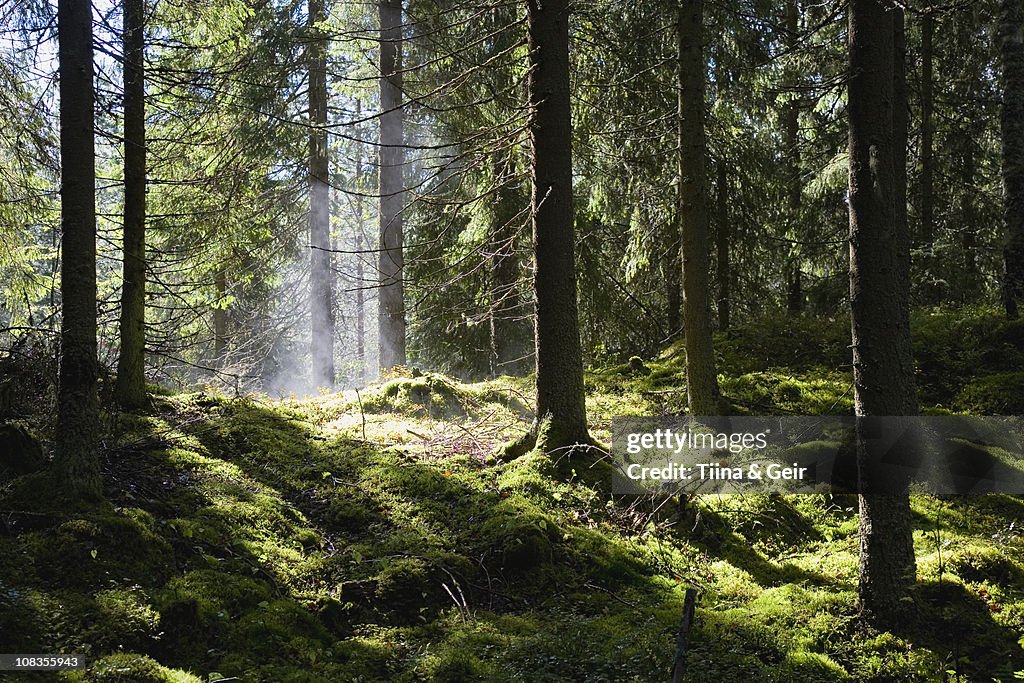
375,537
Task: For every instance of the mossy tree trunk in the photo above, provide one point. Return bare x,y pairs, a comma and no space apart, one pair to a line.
701,377
130,387
321,275
76,458
1011,52
883,365
391,315
561,408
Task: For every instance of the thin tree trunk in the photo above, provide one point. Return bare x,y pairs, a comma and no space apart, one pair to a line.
220,316
75,457
927,230
504,269
882,360
321,275
561,408
701,378
971,282
391,316
794,279
130,388
722,238
360,246
1012,124
674,277
900,139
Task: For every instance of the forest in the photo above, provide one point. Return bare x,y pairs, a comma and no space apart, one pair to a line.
331,330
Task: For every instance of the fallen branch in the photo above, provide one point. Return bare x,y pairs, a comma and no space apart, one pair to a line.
683,637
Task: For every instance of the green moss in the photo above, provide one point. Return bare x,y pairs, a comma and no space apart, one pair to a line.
214,594
131,668
520,538
429,394
91,551
408,590
999,394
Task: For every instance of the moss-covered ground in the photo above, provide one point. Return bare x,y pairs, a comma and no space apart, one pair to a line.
376,537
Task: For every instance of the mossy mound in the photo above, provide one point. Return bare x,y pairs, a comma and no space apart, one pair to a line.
91,551
131,668
427,394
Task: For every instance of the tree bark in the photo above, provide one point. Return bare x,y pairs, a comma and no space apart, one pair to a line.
723,235
900,138
76,458
561,408
879,301
970,283
130,387
674,277
794,277
927,200
926,231
321,275
1011,52
701,378
360,273
391,316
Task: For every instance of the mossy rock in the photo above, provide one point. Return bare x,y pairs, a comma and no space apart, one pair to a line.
999,394
638,367
126,619
409,590
215,594
127,667
280,629
520,540
92,551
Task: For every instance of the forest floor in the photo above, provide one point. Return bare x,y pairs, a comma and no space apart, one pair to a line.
377,537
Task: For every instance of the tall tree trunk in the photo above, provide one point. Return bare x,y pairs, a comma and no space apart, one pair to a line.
701,378
794,277
130,388
971,282
321,275
504,268
879,301
723,234
900,140
1011,52
674,276
391,317
927,173
360,247
220,316
76,458
561,408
